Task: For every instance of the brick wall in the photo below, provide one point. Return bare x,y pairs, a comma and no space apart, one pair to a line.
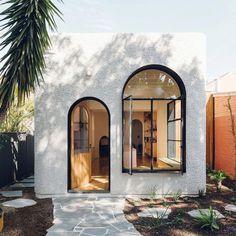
225,158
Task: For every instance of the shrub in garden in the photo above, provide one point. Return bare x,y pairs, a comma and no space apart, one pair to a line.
208,220
217,177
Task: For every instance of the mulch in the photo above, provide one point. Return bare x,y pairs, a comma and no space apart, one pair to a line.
27,221
35,220
179,223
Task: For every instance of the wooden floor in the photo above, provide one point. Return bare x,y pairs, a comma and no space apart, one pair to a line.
100,176
144,162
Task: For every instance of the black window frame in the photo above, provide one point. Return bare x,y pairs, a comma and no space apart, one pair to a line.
182,98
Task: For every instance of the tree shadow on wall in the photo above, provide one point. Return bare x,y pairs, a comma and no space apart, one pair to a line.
67,79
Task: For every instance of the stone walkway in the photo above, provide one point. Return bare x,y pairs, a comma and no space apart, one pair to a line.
25,183
90,217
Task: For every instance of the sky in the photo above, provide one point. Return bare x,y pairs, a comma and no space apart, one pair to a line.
215,18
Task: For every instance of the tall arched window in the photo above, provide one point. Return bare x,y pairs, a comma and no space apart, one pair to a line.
156,96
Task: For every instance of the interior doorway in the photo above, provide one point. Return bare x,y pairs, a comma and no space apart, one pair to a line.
137,136
89,146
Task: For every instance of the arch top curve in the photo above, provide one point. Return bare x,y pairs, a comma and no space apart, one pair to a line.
154,81
88,98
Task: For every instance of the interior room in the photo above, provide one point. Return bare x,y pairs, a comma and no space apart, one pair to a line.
152,122
90,147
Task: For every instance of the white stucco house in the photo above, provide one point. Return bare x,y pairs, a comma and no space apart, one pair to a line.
120,114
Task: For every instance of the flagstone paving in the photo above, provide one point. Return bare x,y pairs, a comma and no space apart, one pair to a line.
19,203
91,217
230,207
155,212
25,183
17,193
197,213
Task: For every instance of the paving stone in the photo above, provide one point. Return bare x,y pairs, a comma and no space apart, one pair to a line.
155,212
78,205
86,223
78,214
19,203
11,193
122,225
30,177
22,185
196,213
90,216
95,231
230,207
51,233
27,181
83,203
124,233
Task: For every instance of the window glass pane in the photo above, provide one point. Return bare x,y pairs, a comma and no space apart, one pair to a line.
127,134
171,110
174,150
177,109
152,83
80,129
141,130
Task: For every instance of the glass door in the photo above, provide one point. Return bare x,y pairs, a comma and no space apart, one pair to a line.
127,134
174,127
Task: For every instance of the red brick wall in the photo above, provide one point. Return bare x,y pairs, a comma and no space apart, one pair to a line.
225,158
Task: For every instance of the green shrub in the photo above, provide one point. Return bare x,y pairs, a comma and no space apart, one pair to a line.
217,177
176,196
208,220
152,193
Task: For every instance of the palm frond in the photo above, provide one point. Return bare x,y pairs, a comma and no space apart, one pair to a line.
27,40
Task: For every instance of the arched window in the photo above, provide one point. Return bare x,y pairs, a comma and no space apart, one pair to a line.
156,96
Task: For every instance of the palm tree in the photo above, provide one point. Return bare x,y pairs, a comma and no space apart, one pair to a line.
26,23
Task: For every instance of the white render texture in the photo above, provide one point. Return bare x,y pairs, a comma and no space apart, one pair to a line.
98,65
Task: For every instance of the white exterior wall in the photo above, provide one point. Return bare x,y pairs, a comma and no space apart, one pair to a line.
98,65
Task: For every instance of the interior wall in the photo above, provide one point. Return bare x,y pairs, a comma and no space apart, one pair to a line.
139,116
161,124
100,129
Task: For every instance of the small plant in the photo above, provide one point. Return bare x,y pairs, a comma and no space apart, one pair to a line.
208,220
160,221
208,169
176,196
165,201
152,193
201,193
217,177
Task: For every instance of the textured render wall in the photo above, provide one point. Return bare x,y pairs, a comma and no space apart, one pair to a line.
98,65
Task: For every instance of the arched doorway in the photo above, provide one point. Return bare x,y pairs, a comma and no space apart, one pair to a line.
137,136
89,121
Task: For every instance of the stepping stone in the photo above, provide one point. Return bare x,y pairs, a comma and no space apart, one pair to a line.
22,185
51,233
230,207
64,225
77,213
155,212
196,213
27,181
94,231
11,193
19,203
31,177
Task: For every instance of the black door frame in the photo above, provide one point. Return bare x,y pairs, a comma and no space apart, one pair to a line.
69,145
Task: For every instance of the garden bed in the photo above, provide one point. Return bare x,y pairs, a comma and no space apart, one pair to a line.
27,221
179,222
